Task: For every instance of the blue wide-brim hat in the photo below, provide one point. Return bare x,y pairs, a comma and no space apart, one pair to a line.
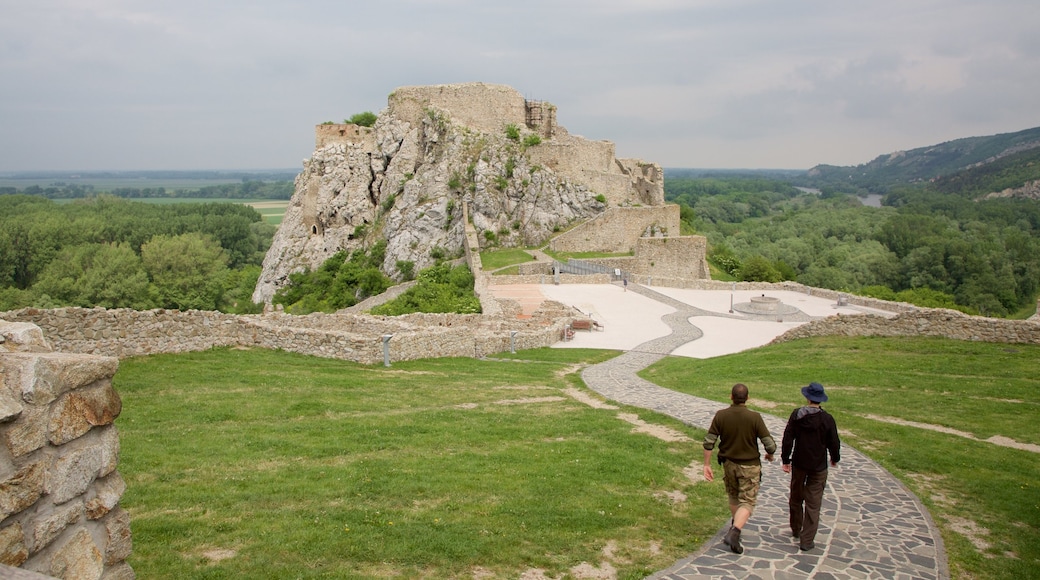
814,392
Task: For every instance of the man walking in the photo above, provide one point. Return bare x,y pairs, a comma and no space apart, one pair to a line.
737,430
811,433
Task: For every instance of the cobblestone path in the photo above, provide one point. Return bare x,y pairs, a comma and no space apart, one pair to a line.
871,526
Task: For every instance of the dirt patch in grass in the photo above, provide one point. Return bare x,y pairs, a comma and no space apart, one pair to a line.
661,432
975,533
995,440
218,555
530,400
694,471
583,397
674,497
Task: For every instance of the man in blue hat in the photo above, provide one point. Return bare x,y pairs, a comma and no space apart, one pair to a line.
811,434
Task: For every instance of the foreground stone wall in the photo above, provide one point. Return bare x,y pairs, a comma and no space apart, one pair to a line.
59,488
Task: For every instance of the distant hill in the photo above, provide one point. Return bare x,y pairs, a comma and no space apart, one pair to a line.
971,166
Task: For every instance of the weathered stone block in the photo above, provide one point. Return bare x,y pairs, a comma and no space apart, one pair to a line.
22,336
117,534
13,551
73,472
45,376
76,412
121,571
78,559
45,529
108,492
28,433
21,490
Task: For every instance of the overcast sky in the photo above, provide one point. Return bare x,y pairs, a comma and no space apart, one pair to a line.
240,84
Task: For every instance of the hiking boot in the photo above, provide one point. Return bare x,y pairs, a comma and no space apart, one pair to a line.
732,539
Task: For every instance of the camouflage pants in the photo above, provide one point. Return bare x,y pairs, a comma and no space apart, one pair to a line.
742,483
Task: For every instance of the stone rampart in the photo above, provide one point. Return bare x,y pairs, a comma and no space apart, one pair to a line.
329,133
592,163
936,322
59,488
347,336
618,228
486,107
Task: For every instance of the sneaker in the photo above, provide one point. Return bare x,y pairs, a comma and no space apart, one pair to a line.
807,547
732,539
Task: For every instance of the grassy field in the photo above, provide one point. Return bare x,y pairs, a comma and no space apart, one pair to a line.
272,210
260,464
923,408
504,261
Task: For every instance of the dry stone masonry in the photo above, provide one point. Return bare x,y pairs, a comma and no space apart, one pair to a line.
59,488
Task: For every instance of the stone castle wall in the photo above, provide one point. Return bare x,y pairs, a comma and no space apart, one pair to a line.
592,163
936,322
618,228
353,337
59,488
485,107
329,133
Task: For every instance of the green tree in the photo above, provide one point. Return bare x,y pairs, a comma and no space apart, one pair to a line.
106,275
187,271
758,269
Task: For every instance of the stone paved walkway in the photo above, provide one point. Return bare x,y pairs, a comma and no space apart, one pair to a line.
871,525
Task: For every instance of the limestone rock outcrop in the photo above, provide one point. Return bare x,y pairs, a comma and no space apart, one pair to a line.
433,149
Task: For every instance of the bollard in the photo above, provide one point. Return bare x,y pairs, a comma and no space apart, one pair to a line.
386,349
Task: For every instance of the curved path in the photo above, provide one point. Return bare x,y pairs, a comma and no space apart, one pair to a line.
871,526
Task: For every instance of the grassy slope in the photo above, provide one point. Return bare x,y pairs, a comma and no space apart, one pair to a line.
983,389
305,467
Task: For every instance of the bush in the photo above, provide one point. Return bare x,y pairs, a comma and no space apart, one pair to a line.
512,132
758,269
366,119
440,288
337,283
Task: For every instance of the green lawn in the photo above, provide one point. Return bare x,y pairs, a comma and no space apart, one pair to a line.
261,464
495,259
980,389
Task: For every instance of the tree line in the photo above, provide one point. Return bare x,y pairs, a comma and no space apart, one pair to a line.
115,253
923,246
247,189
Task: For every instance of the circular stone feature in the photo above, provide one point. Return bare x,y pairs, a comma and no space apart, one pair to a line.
765,305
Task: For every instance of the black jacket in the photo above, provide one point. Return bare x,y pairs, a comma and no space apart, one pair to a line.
810,433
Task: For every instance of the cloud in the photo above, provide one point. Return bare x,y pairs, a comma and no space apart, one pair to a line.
725,83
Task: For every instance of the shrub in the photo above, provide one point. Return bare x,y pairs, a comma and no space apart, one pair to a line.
512,132
532,140
366,119
440,288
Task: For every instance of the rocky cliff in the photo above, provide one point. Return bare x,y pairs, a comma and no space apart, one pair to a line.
433,149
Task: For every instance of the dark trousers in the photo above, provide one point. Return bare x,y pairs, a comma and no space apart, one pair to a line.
804,502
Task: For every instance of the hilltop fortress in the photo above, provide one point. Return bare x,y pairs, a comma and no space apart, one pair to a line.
439,153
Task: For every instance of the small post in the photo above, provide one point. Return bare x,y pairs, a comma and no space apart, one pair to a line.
512,341
386,349
732,289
